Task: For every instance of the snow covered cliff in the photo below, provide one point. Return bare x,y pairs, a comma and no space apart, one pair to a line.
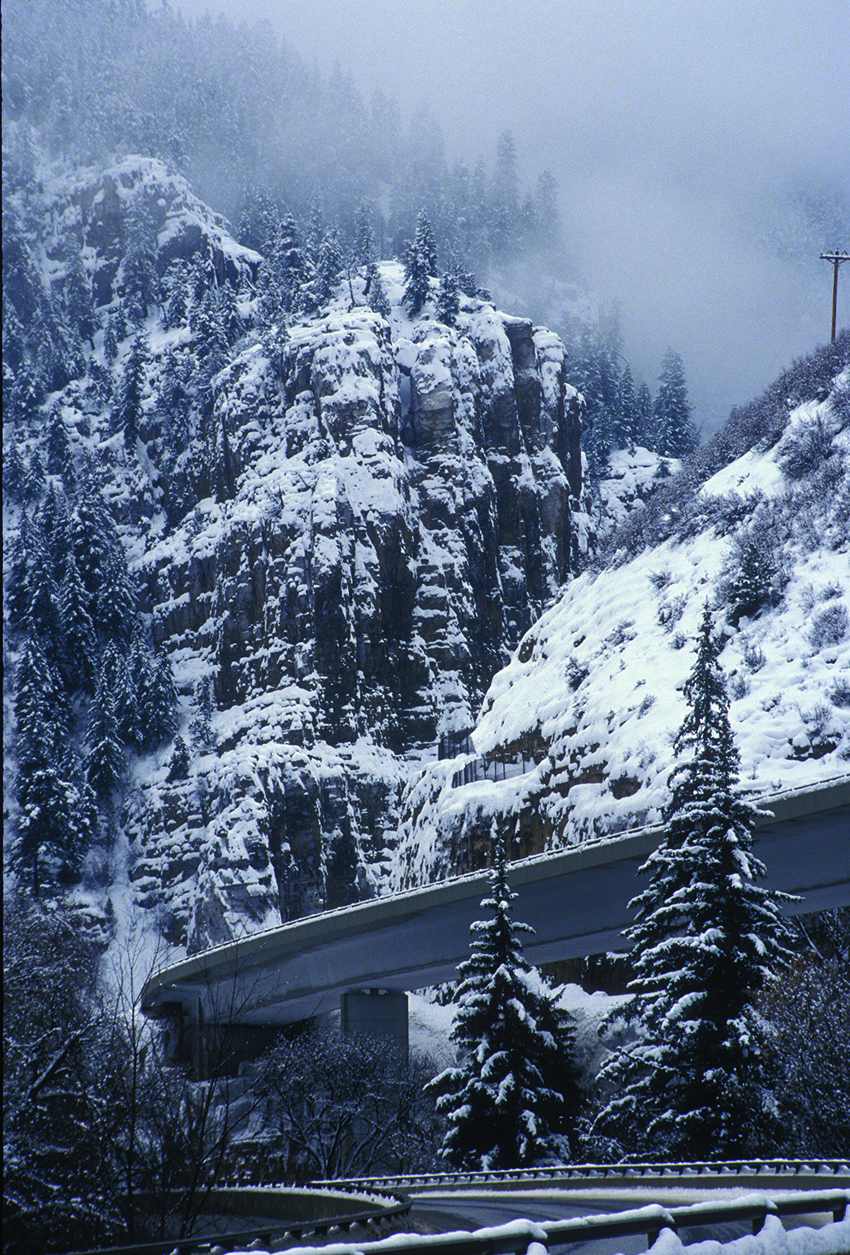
340,528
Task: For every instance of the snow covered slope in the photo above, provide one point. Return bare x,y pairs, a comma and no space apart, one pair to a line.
576,732
345,530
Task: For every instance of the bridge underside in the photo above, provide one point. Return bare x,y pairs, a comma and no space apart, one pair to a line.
576,900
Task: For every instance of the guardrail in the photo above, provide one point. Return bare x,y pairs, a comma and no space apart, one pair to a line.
518,1237
526,1237
581,1172
390,1209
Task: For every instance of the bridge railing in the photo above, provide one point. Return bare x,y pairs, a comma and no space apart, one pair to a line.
493,768
385,1213
580,1172
518,1237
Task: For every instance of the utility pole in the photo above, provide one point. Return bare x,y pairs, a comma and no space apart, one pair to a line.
836,259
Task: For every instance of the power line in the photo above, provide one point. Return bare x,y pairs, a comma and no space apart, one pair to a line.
836,259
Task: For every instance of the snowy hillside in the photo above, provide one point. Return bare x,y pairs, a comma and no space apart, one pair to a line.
339,523
581,722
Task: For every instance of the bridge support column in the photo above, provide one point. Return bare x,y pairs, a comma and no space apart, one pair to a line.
377,1012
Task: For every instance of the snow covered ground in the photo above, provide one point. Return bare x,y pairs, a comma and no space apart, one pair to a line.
592,698
774,1239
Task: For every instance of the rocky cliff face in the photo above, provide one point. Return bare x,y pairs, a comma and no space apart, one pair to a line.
180,225
384,510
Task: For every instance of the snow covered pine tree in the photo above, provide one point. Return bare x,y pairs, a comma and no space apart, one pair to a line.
514,1094
420,265
707,939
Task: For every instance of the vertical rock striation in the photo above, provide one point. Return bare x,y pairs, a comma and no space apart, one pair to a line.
382,518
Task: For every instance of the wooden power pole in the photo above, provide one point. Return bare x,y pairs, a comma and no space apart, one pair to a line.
836,259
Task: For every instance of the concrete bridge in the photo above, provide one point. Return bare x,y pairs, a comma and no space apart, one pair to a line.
576,899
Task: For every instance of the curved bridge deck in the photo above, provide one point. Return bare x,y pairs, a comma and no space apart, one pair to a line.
575,899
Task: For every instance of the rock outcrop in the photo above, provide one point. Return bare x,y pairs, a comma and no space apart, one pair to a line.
386,510
179,224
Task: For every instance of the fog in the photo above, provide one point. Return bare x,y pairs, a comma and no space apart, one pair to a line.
702,151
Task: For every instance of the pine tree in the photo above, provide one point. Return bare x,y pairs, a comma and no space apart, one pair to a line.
116,676
675,433
211,347
706,940
100,385
598,442
115,601
13,470
34,481
501,1105
448,302
504,212
625,426
178,768
27,396
420,265
597,349
41,712
43,607
364,238
201,727
288,264
79,640
141,281
14,353
52,825
276,346
316,231
253,226
644,426
79,305
378,299
546,212
270,299
110,341
105,763
97,545
119,323
202,278
177,300
751,586
53,831
128,411
54,520
328,269
228,315
174,399
157,704
58,445
17,587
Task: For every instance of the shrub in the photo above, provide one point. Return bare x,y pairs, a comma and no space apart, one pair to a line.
805,448
739,687
830,626
576,674
670,612
348,1105
839,694
676,508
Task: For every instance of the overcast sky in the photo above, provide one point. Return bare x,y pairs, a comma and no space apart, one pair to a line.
678,131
